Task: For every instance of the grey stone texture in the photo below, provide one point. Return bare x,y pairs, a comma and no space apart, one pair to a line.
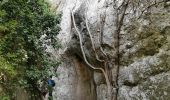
144,49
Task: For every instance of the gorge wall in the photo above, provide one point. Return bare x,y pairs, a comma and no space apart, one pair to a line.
144,50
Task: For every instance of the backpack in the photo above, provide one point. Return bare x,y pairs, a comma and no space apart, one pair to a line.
51,82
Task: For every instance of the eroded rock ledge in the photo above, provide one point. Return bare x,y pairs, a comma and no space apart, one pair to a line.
144,52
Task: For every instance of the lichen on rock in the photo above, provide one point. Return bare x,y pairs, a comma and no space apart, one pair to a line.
144,51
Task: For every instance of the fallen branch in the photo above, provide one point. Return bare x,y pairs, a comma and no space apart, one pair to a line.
85,59
101,34
81,46
119,26
154,4
91,38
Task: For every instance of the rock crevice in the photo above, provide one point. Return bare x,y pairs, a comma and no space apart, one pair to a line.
144,50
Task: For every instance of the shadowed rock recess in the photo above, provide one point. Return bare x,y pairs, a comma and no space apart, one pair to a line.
144,50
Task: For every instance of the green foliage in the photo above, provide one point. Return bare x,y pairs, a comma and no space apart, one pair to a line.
4,97
6,69
26,28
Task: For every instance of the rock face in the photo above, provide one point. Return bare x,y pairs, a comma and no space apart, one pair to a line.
144,50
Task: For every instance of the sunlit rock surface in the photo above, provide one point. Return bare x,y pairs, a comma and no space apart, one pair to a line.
144,49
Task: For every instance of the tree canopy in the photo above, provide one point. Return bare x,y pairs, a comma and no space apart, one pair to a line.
26,28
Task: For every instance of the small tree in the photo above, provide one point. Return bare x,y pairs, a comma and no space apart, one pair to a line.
27,27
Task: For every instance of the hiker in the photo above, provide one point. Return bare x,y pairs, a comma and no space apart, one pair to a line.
51,84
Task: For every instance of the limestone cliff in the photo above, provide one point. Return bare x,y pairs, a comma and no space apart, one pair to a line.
134,33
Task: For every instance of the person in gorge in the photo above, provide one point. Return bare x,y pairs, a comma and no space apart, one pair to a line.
51,84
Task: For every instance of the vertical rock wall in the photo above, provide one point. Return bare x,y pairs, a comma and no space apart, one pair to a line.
144,50
75,81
